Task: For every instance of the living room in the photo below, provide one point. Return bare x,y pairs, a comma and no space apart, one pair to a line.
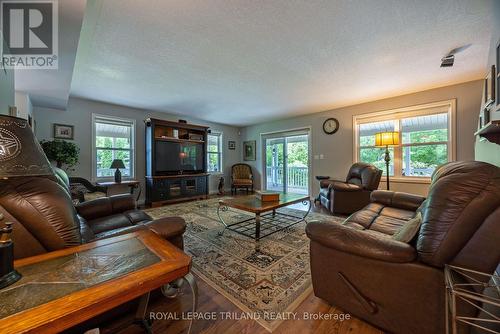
224,167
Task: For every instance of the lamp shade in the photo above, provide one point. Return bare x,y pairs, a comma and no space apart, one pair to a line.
20,152
117,163
389,138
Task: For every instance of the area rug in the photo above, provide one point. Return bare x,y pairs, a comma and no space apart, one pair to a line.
266,281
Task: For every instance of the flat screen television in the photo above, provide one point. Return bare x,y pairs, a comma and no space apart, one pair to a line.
175,158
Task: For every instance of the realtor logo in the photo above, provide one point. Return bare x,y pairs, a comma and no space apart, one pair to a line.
30,34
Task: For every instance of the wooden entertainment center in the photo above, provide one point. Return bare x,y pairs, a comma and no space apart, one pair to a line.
187,181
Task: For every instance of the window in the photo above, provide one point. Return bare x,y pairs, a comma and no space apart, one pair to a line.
426,137
214,154
113,139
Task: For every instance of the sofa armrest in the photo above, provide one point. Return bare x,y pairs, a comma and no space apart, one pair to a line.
328,183
344,186
360,242
399,200
105,206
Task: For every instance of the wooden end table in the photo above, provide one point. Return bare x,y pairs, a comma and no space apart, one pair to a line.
63,288
132,184
268,223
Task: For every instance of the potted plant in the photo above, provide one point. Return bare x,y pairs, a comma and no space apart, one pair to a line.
61,151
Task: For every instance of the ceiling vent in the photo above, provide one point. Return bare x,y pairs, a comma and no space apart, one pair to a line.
449,59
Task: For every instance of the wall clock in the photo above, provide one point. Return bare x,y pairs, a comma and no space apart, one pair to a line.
330,126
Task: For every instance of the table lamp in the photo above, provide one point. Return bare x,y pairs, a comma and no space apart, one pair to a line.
388,138
118,164
20,156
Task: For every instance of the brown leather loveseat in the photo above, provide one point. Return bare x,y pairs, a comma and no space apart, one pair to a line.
44,218
352,194
399,286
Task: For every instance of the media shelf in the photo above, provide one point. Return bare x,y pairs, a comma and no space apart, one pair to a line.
164,183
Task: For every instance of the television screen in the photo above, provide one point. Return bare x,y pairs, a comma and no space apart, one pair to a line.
175,157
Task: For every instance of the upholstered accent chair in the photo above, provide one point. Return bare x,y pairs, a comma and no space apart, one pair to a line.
399,286
241,177
346,197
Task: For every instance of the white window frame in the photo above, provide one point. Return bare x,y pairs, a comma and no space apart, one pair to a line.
448,106
219,152
96,118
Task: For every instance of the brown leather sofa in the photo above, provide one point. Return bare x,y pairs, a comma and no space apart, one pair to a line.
44,218
348,196
399,287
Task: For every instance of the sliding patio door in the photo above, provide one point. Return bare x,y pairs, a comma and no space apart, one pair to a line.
287,162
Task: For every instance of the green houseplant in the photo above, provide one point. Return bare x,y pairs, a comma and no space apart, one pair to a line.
61,151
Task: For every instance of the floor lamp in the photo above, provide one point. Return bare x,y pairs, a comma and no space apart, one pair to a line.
390,138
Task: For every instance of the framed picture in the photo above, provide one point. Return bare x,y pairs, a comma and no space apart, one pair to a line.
231,145
249,153
63,131
489,87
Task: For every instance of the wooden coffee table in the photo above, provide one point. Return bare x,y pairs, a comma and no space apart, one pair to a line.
63,288
263,224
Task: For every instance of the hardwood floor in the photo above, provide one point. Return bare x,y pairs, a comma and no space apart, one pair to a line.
212,301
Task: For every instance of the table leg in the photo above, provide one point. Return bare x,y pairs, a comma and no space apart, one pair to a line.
140,315
138,186
222,208
171,290
257,226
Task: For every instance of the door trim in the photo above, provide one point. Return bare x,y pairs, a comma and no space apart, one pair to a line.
266,135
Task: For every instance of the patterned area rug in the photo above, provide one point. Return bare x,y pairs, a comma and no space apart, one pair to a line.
264,279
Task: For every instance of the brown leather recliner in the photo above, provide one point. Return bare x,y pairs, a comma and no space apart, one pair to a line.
44,218
352,194
398,286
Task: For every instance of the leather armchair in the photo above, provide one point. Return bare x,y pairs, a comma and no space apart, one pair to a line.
399,286
241,177
348,196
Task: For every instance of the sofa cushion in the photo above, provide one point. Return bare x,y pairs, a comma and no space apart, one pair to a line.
119,231
110,222
242,182
387,225
380,218
137,216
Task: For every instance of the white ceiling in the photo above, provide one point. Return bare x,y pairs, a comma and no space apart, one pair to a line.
242,62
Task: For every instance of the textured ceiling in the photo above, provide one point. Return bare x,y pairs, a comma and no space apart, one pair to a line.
51,88
242,62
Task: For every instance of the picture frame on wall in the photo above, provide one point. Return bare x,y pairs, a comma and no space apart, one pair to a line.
64,131
231,145
249,153
489,87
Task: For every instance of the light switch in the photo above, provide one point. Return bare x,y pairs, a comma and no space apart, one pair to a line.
321,156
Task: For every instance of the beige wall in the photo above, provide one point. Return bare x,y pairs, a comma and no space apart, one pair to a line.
486,151
338,148
79,114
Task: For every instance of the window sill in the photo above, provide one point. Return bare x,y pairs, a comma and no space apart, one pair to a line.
216,173
408,179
